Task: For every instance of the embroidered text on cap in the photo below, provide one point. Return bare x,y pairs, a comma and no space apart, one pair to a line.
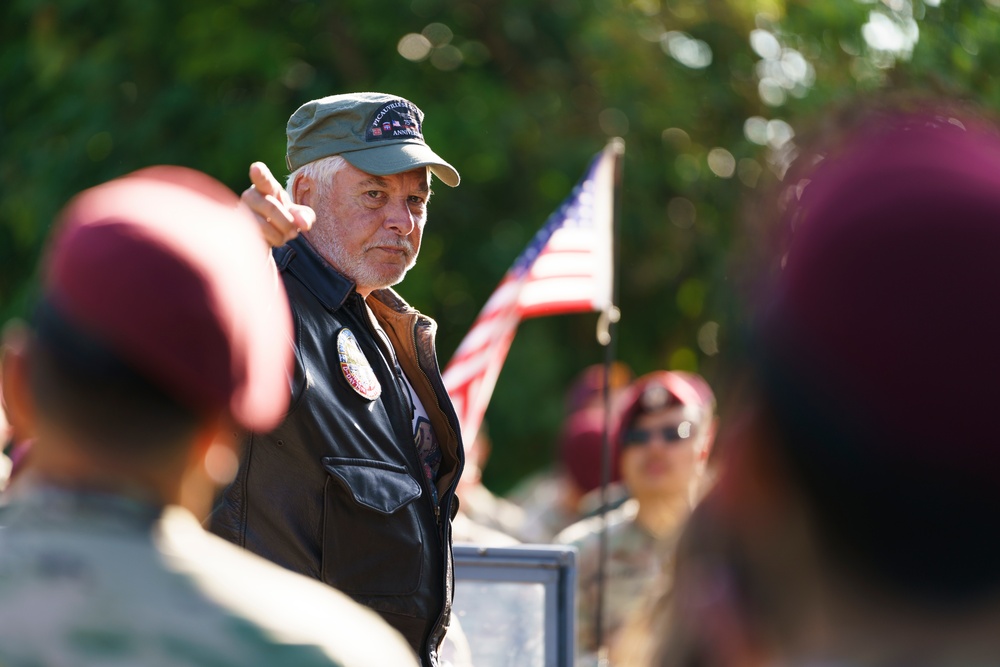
395,120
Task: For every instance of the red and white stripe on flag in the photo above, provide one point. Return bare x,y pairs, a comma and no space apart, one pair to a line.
566,268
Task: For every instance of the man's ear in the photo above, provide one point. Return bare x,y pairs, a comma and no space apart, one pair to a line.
303,190
16,388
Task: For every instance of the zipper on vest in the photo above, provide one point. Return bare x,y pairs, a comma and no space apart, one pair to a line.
436,631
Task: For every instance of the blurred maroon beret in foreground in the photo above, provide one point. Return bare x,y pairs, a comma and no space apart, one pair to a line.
876,352
169,271
887,304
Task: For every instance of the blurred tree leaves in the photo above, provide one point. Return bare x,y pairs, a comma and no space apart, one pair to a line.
519,95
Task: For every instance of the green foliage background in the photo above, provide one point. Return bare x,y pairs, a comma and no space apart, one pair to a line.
519,95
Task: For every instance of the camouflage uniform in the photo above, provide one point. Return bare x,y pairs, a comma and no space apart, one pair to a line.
634,566
93,579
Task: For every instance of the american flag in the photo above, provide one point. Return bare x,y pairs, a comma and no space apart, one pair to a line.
567,268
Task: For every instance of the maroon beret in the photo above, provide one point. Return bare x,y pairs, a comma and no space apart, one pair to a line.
659,390
588,386
886,307
875,350
167,268
580,445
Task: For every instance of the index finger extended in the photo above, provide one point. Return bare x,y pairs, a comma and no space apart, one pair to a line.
267,184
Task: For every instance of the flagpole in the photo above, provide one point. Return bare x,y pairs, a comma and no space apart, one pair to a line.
605,336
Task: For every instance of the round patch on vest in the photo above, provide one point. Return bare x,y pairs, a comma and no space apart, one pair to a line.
357,371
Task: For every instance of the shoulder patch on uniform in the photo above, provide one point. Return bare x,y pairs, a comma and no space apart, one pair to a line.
357,371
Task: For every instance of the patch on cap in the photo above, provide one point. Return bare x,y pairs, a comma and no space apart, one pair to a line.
398,119
354,364
654,397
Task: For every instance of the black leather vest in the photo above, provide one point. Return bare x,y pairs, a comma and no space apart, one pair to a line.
337,491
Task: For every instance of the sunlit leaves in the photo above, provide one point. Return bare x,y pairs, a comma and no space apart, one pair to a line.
518,94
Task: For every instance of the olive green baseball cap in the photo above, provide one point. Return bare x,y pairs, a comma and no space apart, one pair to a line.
377,133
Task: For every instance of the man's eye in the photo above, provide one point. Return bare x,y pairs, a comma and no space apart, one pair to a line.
414,199
373,194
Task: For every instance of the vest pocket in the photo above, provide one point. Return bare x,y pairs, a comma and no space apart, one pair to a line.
371,537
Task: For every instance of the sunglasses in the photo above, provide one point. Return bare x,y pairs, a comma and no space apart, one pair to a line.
670,434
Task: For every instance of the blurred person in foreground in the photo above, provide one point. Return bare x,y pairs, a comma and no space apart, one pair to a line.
356,485
661,441
569,489
160,329
854,518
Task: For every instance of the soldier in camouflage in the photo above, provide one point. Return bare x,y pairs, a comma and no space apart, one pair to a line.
161,330
662,438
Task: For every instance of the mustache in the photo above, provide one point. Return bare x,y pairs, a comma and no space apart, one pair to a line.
396,244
